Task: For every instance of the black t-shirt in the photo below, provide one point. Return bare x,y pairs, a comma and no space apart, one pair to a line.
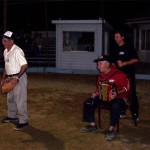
125,53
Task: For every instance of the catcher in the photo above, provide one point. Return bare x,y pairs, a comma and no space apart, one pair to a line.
14,82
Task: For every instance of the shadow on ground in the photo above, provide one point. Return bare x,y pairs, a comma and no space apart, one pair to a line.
44,137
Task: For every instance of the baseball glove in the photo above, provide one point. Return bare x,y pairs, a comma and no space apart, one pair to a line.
9,85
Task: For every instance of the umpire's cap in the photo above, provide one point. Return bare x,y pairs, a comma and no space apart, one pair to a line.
103,58
9,35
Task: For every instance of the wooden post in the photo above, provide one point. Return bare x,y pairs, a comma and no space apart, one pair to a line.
5,15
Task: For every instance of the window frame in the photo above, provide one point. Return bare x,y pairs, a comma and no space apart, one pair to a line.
144,47
71,41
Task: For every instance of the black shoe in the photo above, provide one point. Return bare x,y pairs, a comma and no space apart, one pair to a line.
21,126
122,116
8,119
89,128
135,119
109,135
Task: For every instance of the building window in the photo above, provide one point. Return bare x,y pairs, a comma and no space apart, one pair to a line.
78,41
145,39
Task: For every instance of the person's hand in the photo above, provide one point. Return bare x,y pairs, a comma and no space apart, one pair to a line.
112,94
16,79
93,95
121,63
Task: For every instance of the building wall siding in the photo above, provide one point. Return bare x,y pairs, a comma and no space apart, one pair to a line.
78,59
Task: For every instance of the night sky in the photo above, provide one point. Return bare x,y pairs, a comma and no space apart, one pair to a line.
31,15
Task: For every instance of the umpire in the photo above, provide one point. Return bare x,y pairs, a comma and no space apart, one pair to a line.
15,67
125,56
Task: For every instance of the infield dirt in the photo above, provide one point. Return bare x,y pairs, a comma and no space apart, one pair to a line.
55,117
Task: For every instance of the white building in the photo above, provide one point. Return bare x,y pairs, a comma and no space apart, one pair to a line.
141,34
73,38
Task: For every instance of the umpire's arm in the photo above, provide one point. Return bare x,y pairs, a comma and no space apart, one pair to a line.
22,70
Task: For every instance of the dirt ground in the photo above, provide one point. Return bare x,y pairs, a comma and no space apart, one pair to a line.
55,117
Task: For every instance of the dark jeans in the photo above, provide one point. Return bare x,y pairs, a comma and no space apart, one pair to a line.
90,105
134,100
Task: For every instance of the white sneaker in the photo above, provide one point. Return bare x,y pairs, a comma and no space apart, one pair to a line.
123,116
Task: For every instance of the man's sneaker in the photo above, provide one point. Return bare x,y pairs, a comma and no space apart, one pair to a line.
135,119
8,119
21,126
122,116
89,128
109,136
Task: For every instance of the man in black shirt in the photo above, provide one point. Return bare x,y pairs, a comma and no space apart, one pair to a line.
125,57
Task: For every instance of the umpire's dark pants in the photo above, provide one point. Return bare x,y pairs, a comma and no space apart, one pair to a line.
90,105
134,99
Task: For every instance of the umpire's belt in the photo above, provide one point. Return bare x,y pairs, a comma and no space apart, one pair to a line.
12,75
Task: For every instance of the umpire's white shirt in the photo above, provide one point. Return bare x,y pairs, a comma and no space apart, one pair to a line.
14,59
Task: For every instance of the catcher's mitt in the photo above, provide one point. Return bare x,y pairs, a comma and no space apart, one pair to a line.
9,85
